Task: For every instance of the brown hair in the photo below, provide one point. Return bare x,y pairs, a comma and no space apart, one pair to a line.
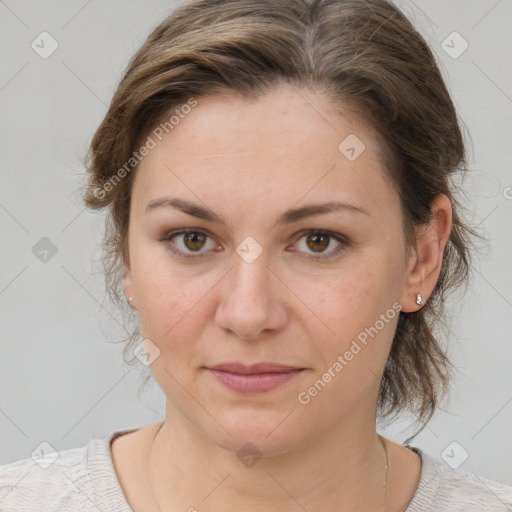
362,54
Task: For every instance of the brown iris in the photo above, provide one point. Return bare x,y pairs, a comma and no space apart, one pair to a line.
196,240
315,237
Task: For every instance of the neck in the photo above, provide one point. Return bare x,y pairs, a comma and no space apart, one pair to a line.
345,470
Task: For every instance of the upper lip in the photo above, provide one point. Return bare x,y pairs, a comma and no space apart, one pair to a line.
264,367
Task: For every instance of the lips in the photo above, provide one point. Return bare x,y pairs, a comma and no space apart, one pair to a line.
254,368
256,378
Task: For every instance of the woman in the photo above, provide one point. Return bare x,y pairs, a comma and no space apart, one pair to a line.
283,224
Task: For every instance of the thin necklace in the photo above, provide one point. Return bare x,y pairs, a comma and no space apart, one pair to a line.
379,436
386,473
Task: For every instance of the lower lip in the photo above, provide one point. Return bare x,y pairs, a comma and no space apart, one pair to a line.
255,382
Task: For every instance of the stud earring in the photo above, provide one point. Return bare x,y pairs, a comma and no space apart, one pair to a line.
419,299
130,299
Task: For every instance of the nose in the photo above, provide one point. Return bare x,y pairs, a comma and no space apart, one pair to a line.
252,300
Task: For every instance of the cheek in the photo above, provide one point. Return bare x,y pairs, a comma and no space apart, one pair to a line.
169,301
344,297
351,361
355,313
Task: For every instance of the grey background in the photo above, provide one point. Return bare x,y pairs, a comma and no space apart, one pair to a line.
61,380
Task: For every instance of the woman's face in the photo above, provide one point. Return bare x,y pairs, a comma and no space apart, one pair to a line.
318,292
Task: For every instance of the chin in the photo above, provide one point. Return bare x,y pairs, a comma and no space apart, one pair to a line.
265,430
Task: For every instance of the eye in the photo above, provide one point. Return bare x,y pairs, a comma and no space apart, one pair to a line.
318,241
192,242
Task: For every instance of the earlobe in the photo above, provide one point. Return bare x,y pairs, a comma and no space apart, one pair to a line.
128,287
426,262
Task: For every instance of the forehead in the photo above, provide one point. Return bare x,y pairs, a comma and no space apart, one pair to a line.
282,146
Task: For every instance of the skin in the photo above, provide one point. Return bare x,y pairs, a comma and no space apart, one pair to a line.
249,161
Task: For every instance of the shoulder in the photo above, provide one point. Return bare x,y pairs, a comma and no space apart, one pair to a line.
73,479
41,480
442,488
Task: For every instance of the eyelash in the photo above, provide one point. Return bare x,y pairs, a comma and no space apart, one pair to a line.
343,241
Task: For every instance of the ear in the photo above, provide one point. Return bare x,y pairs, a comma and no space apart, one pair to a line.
425,263
128,286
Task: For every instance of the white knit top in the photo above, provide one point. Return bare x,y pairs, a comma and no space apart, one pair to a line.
83,479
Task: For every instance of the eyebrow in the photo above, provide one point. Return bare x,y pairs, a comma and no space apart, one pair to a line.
288,217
